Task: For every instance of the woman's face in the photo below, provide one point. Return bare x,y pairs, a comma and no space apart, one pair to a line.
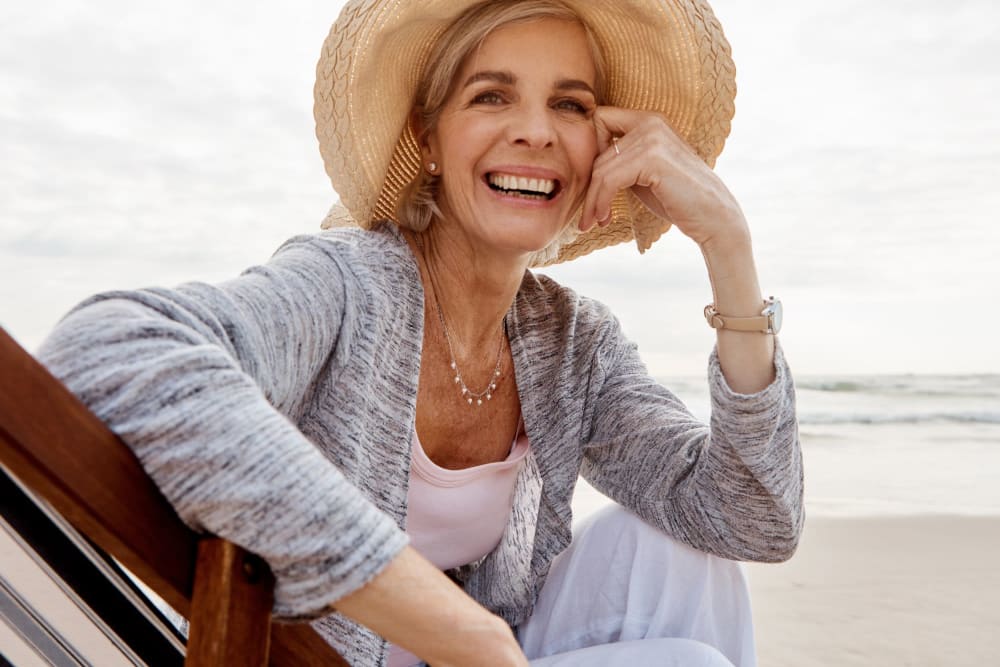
515,142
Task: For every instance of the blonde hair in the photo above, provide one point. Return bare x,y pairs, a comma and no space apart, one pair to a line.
417,205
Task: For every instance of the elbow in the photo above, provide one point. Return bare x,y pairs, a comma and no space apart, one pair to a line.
778,538
761,531
776,519
784,546
765,531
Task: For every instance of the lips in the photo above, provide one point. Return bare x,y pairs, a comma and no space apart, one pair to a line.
523,186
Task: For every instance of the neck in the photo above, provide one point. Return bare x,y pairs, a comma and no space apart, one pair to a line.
473,288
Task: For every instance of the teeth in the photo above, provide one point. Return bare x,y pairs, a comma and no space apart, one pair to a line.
509,182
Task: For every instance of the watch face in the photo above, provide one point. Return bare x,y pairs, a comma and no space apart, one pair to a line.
774,313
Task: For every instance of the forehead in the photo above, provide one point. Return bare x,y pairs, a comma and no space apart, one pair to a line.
541,47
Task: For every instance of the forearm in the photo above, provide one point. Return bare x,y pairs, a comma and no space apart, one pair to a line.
413,604
732,487
226,459
746,358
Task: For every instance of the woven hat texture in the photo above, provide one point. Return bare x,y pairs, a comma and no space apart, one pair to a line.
667,56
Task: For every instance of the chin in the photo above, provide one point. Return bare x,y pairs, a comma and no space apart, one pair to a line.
541,245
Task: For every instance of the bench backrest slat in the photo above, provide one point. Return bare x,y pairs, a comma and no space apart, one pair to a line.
61,451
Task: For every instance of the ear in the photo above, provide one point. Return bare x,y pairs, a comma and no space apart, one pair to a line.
425,139
417,127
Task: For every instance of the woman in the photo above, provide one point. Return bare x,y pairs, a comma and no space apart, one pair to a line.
415,376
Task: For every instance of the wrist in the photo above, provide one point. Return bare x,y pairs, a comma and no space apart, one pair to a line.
733,276
732,249
768,321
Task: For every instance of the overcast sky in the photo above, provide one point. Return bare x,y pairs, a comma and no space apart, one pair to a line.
155,143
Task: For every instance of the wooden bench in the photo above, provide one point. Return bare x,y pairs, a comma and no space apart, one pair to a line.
63,454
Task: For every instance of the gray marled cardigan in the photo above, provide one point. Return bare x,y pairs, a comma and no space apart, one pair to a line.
276,410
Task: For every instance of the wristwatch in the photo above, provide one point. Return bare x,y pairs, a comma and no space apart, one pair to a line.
769,320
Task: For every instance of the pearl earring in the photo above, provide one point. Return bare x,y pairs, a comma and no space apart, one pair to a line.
432,167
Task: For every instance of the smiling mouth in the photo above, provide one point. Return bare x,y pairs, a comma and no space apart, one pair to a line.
519,186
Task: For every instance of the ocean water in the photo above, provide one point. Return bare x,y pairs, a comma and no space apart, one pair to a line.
891,445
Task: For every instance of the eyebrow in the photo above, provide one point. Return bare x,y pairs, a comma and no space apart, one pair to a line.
496,76
508,79
575,84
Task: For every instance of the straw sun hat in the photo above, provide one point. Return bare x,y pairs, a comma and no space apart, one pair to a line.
668,56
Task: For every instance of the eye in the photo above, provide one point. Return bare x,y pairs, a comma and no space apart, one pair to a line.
488,97
572,105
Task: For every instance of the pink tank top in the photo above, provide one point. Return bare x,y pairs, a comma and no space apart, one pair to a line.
455,517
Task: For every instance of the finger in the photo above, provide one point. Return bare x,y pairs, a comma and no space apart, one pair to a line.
613,170
625,135
611,148
592,212
587,219
614,122
611,175
620,147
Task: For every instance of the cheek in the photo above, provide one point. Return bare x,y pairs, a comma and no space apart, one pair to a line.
463,147
583,153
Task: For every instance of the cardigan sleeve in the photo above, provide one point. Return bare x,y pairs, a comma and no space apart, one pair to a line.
204,384
732,487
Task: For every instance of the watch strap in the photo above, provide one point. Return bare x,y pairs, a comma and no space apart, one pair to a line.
760,323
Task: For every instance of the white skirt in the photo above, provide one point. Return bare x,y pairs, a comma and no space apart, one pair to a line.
627,594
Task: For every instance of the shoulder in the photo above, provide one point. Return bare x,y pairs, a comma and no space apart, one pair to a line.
554,319
376,261
381,248
542,299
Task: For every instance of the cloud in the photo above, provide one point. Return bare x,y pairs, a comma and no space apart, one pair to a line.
149,144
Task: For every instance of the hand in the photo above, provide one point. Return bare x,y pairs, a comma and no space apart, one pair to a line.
413,604
675,184
664,173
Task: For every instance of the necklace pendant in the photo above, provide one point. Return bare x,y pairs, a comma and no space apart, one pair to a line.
470,401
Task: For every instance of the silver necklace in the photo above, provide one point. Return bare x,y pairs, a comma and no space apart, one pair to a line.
471,397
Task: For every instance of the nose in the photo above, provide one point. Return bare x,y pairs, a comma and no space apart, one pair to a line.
531,126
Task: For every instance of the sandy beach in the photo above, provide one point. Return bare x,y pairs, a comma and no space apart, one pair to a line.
913,590
916,591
